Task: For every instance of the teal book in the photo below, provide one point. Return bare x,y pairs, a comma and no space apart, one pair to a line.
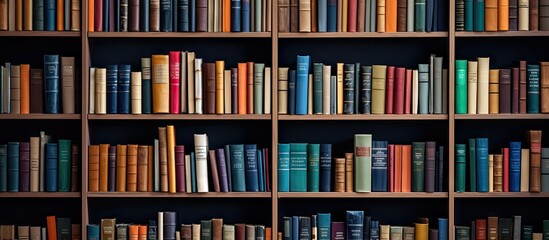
418,166
423,80
261,170
317,88
419,21
461,86
258,87
64,169
472,165
283,167
3,168
193,172
146,85
298,167
527,232
324,222
313,167
468,8
478,15
460,167
205,230
532,99
237,168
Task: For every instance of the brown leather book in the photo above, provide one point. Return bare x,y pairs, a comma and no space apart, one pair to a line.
515,90
75,15
36,92
163,158
124,11
217,229
108,229
505,91
142,167
314,16
76,231
142,232
250,84
219,87
208,70
294,15
201,15
498,173
154,15
339,182
121,169
131,180
150,168
4,15
103,167
493,91
93,168
27,15
349,173
186,232
491,13
133,22
522,87
160,83
283,15
67,80
75,162
544,83
401,15
305,15
19,15
60,15
25,89
361,14
492,228
513,15
535,160
240,231
15,89
170,141
544,15
111,181
534,15
213,166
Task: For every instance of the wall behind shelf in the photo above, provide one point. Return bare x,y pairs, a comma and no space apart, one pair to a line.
33,211
503,52
22,130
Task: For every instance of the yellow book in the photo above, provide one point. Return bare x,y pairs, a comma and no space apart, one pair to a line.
339,88
494,91
379,72
219,87
171,157
344,15
380,15
422,229
160,84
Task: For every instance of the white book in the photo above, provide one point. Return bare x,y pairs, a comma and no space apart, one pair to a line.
472,90
201,162
326,78
415,91
160,232
227,91
198,85
228,232
43,140
188,183
267,94
410,16
156,166
136,89
183,85
483,84
91,92
190,82
525,170
44,234
523,15
101,91
34,164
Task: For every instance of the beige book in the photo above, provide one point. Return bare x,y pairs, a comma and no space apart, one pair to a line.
523,15
310,95
493,105
190,82
67,81
227,91
216,17
160,229
183,76
379,73
160,83
35,233
23,232
136,88
15,89
380,15
385,232
472,89
304,15
490,172
339,75
177,235
483,84
267,91
415,91
195,232
344,15
201,161
525,170
198,85
326,77
91,92
188,182
34,164
211,8
101,91
12,11
537,236
283,90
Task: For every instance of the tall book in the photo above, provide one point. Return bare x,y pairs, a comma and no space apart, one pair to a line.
535,160
201,151
380,166
51,84
363,162
160,83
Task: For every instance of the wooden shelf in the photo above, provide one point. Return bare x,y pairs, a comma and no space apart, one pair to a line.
500,116
40,116
504,34
362,195
365,117
501,195
179,117
40,195
179,195
365,35
39,34
178,35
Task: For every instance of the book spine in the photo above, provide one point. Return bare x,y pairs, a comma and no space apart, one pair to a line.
298,167
283,167
64,167
246,16
259,79
363,154
136,93
460,167
301,84
24,166
222,170
236,9
144,12
111,182
349,89
423,88
112,89
379,166
251,166
418,169
238,168
51,160
533,97
430,151
124,88
175,81
355,225
146,91
389,90
313,167
482,164
366,90
325,167
419,13
51,83
166,18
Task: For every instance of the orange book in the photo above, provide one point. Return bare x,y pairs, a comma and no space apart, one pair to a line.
51,227
93,168
398,168
390,15
268,233
121,159
160,83
250,78
134,232
242,74
406,168
150,169
226,15
171,157
103,167
503,15
142,232
219,87
131,177
25,89
59,16
91,15
491,19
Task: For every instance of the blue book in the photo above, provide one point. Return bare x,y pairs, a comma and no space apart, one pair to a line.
295,228
49,15
332,16
124,88
333,95
325,167
228,166
252,184
313,167
374,230
533,88
51,156
436,12
106,5
146,84
514,166
116,15
260,167
13,167
291,92
322,15
429,14
324,222
112,89
183,16
423,79
246,16
302,84
93,231
283,167
478,15
355,225
298,167
237,168
51,84
3,168
443,229
193,172
166,15
442,18
379,166
235,15
192,18
175,15
367,223
482,164
144,15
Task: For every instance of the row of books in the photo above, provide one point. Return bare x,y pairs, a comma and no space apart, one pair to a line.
514,169
358,226
500,228
481,90
56,228
375,166
165,167
508,15
166,227
40,15
181,83
25,90
362,89
179,16
39,165
362,15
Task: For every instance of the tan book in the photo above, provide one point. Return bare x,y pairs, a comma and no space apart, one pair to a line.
250,89
198,86
75,15
27,15
11,15
227,91
503,15
23,232
195,231
35,233
15,89
163,158
326,90
523,15
525,170
472,88
339,76
4,20
349,173
537,236
268,15
339,26
190,82
211,13
188,181
415,91
344,15
483,84
108,229
283,90
150,169
219,86
491,15
67,81
34,164
339,183
103,167
91,92
267,91
310,95
384,232
18,15
379,73
380,15
160,84
493,107
131,177
136,91
490,172
217,229
121,167
170,137
535,160
544,83
498,173
142,167
101,91
93,168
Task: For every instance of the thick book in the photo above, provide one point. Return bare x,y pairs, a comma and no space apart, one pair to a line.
201,163
160,83
51,84
534,136
379,73
93,168
298,167
284,167
349,89
36,91
68,84
379,166
533,96
323,224
237,168
363,165
355,225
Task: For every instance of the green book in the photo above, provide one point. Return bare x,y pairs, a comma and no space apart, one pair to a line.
478,15
461,86
462,233
313,167
418,166
363,162
460,167
419,14
545,229
298,167
258,87
532,99
64,170
317,88
527,232
205,230
472,165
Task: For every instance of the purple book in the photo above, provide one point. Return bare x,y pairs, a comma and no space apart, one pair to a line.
433,234
234,90
24,166
338,231
180,168
222,168
111,187
430,166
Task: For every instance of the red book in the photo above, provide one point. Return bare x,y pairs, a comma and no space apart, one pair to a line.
515,90
351,15
98,15
408,94
398,168
389,90
506,169
391,167
399,90
480,229
175,60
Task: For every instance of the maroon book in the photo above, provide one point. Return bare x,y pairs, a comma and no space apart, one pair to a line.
504,91
515,91
391,167
133,15
338,231
36,91
400,80
180,168
389,90
408,95
75,160
430,167
209,87
201,15
215,175
522,87
222,170
24,166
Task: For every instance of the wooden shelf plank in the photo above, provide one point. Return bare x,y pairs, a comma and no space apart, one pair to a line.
179,117
362,195
178,35
179,195
501,195
39,34
365,35
365,117
504,34
40,195
500,116
40,116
